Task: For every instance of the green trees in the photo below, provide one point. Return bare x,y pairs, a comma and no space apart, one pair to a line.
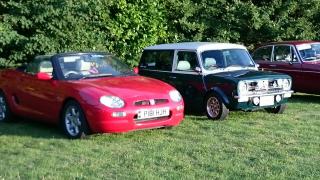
125,27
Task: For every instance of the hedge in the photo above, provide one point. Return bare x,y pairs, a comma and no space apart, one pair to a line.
125,27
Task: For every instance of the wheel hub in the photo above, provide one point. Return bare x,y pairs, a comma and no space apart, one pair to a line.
213,107
72,121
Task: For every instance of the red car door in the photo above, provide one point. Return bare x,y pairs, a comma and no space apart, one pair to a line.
311,73
38,98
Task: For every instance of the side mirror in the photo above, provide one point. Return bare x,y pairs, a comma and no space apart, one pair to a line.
43,76
257,65
136,70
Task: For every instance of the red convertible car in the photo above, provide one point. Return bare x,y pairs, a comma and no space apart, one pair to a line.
88,92
299,59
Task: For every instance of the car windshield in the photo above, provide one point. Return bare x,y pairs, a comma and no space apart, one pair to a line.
226,58
92,66
309,52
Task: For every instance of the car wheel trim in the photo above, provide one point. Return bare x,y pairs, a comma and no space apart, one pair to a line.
3,108
213,107
72,120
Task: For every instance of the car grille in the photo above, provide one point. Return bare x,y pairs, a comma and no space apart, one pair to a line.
149,102
269,86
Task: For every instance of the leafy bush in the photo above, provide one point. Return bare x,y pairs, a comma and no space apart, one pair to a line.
125,27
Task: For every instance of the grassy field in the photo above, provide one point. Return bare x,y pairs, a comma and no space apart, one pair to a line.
249,145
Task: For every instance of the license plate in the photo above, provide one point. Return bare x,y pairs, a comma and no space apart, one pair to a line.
153,113
266,100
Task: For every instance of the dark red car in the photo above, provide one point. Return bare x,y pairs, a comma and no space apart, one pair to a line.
88,92
299,59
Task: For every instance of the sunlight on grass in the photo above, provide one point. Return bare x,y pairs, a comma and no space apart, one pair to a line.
247,145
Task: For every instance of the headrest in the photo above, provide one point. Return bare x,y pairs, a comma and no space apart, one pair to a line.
210,62
183,65
46,67
83,65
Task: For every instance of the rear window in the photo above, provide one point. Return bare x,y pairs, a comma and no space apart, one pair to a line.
157,60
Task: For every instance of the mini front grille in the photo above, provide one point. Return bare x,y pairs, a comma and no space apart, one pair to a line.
149,102
265,86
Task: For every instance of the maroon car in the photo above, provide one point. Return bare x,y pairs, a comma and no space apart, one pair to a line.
299,59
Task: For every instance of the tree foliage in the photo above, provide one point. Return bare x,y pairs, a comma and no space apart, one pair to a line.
125,27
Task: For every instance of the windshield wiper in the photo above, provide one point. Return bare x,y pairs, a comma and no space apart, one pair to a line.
95,76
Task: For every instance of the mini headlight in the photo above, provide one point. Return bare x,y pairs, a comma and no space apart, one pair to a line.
242,87
175,96
280,82
286,84
112,101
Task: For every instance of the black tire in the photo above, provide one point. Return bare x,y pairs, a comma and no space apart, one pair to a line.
73,121
215,108
5,112
277,110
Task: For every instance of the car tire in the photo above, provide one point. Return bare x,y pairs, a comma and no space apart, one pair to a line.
215,108
277,110
73,121
5,112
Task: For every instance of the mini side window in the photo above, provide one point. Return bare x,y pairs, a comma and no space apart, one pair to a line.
157,60
187,61
262,54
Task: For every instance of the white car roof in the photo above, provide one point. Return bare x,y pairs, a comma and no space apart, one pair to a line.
199,46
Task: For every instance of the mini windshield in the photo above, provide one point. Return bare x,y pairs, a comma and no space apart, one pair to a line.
309,52
226,58
92,66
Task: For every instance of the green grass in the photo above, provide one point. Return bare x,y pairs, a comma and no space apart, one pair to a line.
249,145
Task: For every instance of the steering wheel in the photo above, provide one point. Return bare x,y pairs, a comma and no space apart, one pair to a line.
67,74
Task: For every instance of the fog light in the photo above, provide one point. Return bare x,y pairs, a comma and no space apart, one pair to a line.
278,98
256,101
119,114
180,107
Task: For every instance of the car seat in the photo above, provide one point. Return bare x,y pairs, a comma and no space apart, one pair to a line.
183,65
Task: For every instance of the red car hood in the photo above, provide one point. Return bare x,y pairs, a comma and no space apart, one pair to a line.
125,87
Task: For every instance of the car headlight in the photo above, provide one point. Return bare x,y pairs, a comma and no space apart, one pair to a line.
112,101
175,96
280,82
286,84
242,88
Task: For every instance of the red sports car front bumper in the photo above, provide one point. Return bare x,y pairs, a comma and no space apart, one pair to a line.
101,119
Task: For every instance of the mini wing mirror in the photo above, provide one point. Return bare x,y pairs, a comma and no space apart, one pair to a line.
43,76
257,65
136,70
198,69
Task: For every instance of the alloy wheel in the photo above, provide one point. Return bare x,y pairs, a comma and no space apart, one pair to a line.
72,120
213,107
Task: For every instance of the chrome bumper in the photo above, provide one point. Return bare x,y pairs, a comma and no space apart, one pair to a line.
246,98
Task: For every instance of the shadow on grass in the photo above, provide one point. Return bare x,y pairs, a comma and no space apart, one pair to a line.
305,98
30,128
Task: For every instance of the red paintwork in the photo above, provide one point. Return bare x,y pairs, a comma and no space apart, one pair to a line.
43,99
136,70
43,76
305,75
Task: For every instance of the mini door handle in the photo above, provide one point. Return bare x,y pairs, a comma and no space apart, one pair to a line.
172,77
273,65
